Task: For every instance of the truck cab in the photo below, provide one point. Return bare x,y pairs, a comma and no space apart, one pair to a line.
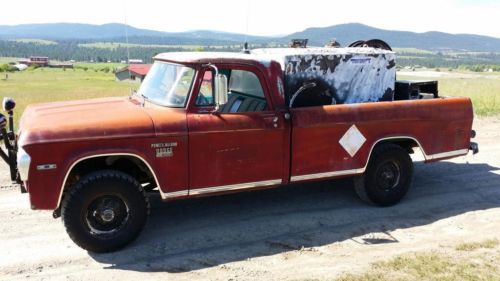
241,143
211,123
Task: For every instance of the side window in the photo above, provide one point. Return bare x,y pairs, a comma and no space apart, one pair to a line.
245,93
206,94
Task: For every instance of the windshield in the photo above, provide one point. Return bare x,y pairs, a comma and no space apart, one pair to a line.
167,84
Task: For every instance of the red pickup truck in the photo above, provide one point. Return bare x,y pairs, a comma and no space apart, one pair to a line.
205,124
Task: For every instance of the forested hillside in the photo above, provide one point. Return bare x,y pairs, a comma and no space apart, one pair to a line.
102,43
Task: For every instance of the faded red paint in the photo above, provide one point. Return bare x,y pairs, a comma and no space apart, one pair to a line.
216,149
316,131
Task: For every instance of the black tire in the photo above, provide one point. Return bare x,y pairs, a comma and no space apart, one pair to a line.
373,43
355,44
105,211
387,177
378,44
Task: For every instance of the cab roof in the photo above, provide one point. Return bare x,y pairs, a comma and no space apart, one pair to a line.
211,57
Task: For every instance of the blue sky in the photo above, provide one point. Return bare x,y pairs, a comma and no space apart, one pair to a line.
265,17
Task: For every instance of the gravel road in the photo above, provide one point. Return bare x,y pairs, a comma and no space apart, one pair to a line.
315,230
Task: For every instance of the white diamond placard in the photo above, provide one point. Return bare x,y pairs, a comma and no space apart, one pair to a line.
352,140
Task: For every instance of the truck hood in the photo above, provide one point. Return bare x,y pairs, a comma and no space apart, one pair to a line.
87,119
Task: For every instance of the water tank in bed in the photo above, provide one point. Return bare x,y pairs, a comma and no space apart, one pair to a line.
320,76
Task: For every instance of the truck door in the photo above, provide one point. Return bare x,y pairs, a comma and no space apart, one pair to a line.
242,144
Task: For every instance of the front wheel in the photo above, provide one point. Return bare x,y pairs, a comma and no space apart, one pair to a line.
387,177
105,211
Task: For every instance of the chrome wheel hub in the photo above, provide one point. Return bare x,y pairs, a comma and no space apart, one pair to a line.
108,215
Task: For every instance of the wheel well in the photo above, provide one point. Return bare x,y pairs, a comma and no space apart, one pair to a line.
407,144
128,164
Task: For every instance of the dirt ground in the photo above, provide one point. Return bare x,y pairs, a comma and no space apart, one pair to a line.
312,231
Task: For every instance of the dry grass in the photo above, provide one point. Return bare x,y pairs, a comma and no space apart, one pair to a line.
467,261
486,244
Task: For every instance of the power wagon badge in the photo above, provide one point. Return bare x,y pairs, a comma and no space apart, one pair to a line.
164,149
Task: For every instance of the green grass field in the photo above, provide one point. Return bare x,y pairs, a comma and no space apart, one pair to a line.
99,65
50,84
113,46
412,51
7,60
36,41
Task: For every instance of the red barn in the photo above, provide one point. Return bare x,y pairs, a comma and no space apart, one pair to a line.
133,72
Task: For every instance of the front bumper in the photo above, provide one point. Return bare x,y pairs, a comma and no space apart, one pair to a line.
23,164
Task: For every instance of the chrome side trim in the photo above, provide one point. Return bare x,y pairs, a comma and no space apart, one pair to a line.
448,154
107,154
175,194
363,169
327,174
234,187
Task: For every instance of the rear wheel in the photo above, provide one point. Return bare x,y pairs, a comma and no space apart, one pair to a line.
105,211
387,177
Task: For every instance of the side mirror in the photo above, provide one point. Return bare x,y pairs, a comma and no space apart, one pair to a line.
221,93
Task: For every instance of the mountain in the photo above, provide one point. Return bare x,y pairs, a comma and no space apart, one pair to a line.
318,36
58,31
220,36
347,33
64,31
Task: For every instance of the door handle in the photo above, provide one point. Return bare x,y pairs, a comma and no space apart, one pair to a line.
274,119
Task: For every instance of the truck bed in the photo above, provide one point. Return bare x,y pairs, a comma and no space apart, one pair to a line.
440,127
